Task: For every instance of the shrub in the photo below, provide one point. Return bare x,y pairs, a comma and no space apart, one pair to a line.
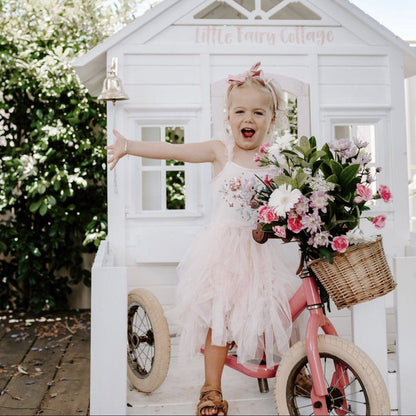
52,133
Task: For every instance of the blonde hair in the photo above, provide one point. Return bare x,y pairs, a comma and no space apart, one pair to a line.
267,87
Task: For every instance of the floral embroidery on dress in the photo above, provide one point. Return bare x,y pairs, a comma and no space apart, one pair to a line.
238,193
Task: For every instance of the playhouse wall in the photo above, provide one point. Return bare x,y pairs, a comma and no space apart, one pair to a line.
354,76
152,246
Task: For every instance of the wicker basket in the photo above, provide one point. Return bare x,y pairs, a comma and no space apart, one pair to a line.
358,275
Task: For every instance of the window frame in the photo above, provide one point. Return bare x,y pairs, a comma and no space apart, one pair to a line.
139,117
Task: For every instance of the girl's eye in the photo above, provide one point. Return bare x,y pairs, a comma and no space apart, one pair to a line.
239,112
259,113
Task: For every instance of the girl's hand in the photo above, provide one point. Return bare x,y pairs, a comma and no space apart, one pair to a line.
117,150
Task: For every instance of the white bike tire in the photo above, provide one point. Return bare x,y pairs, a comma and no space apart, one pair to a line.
335,347
157,369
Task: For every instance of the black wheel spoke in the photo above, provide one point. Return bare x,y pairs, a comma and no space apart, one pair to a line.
140,339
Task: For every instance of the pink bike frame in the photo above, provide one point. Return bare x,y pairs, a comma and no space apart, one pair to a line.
306,297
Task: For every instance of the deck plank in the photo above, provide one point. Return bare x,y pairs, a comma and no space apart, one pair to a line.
69,395
56,359
15,343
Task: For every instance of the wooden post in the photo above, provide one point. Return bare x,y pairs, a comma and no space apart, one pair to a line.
108,389
405,272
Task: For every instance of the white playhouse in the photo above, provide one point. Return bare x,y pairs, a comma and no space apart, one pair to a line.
347,73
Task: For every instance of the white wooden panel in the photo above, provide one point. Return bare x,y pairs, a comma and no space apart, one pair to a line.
300,73
170,59
354,75
167,244
238,63
163,94
405,269
152,274
108,315
353,60
161,75
354,94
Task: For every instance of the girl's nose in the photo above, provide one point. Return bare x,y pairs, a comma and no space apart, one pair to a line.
249,117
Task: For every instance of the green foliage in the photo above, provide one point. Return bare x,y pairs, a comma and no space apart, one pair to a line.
52,133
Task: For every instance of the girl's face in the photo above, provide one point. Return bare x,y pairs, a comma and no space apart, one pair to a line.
250,116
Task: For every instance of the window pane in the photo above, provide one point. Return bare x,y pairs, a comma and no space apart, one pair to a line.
343,132
267,5
219,10
151,134
295,11
151,191
247,4
367,133
175,190
175,135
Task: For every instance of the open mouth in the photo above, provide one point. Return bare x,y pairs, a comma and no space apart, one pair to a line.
248,133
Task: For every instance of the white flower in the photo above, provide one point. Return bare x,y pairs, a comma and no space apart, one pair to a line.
318,183
338,145
283,199
285,140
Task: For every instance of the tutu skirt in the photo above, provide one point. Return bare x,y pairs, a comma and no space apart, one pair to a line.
241,290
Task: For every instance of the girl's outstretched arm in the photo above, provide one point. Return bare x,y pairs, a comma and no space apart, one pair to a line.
210,151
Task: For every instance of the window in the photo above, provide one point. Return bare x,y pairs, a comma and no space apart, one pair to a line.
162,181
364,132
251,9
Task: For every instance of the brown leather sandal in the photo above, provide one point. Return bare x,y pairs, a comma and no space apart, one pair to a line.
209,398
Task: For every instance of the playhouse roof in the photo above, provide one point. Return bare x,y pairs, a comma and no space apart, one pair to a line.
92,67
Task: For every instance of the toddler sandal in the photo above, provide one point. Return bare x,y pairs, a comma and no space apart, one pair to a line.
209,398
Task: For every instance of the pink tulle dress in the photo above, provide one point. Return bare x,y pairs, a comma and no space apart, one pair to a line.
232,284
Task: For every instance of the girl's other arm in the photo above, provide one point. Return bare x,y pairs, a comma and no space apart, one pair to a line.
210,151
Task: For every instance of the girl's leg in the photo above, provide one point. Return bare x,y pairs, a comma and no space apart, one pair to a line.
214,360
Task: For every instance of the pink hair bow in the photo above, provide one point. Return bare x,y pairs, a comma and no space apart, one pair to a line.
253,72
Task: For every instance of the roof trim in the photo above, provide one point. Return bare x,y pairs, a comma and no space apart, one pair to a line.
98,53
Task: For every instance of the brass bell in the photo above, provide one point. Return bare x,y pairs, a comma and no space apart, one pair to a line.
112,87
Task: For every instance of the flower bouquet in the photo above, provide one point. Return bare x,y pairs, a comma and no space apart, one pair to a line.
317,196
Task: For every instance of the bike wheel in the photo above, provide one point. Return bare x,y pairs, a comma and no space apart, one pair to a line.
148,349
365,394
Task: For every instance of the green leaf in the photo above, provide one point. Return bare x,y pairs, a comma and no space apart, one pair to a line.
43,209
34,206
348,174
336,167
325,253
304,144
332,178
51,200
282,180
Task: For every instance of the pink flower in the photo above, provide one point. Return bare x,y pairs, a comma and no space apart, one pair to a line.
364,192
319,200
295,224
379,221
385,193
264,147
358,199
256,158
267,215
279,231
340,244
302,206
268,180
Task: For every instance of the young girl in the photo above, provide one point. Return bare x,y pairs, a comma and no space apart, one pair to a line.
231,288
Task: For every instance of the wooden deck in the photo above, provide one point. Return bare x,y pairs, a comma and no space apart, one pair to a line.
45,364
